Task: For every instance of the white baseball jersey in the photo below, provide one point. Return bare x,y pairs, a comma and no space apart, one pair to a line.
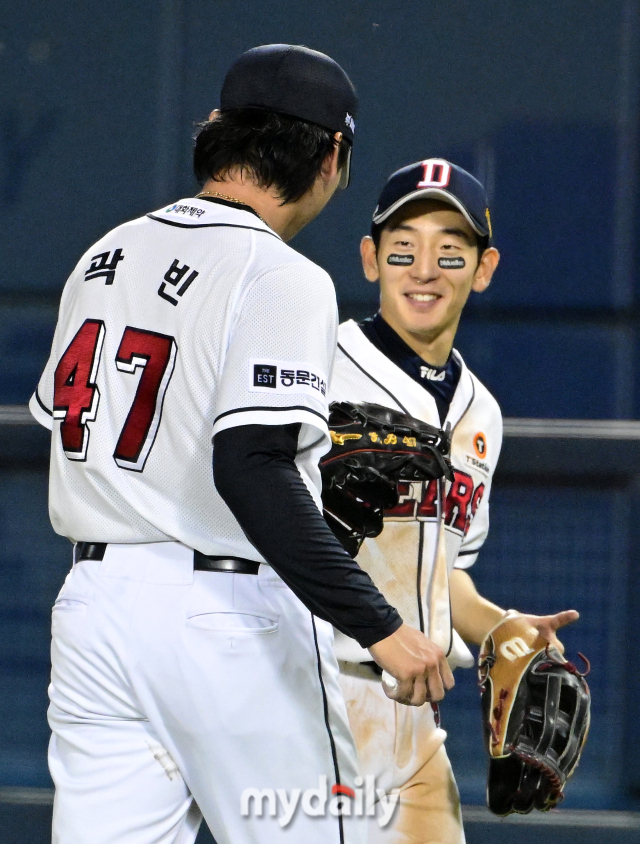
168,334
402,559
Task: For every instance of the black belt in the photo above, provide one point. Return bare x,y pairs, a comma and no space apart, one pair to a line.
238,565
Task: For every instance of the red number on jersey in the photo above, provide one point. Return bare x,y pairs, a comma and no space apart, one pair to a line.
156,354
75,394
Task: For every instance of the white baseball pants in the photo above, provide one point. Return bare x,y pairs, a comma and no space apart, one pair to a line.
174,691
402,748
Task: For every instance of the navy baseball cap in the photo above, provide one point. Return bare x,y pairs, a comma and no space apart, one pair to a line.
296,81
436,178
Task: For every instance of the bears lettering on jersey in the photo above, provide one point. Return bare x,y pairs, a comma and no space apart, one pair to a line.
457,509
428,506
419,502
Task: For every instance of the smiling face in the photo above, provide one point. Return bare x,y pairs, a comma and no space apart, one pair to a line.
422,300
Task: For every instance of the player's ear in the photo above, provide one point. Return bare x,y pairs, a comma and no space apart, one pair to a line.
215,114
330,167
486,268
369,259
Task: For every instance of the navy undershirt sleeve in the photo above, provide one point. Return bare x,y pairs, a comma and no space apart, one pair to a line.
282,521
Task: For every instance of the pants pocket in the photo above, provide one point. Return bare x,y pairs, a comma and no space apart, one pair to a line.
252,624
70,604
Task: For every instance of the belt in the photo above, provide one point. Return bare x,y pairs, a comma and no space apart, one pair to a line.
201,562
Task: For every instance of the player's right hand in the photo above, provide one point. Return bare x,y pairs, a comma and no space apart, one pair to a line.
418,665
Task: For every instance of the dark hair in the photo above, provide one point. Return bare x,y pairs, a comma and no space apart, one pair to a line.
277,150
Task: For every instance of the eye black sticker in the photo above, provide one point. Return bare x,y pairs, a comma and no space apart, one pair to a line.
451,263
402,260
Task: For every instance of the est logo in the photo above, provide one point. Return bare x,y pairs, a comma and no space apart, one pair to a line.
265,375
480,445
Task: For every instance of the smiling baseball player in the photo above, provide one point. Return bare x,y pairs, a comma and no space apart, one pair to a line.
430,246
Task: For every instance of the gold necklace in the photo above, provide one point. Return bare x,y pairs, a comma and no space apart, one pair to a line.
230,199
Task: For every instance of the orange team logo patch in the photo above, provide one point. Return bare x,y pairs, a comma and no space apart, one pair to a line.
480,445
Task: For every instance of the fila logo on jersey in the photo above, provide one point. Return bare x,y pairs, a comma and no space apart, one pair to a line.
432,374
420,503
515,648
274,376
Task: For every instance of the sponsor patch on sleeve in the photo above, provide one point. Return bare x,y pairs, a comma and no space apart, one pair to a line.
276,376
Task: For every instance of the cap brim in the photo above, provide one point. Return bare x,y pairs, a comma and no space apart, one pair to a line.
431,193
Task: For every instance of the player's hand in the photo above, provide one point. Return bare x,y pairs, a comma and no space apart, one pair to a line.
546,625
418,665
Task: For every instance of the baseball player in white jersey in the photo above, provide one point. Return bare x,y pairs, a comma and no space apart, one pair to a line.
192,661
430,245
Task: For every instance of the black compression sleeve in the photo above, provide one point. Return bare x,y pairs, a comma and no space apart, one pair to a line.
280,518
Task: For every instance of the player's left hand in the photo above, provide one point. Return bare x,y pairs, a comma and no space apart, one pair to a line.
546,625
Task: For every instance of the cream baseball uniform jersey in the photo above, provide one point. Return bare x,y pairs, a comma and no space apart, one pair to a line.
434,528
401,560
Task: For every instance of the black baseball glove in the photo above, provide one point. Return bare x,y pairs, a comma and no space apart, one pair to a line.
373,448
536,708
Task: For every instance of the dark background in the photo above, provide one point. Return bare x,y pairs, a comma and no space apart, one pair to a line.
98,103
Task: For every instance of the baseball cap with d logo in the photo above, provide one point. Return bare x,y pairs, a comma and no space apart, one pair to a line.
297,81
436,178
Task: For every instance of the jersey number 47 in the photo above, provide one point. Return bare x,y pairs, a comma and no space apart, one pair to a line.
76,397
